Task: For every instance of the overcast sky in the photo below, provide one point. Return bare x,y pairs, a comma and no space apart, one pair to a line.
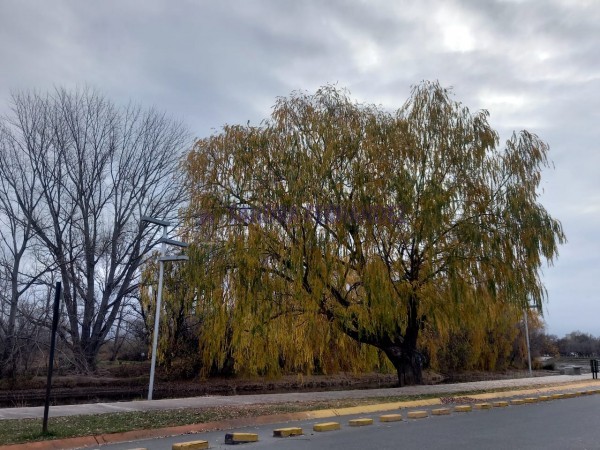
533,64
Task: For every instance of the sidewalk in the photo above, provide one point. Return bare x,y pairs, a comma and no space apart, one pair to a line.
240,400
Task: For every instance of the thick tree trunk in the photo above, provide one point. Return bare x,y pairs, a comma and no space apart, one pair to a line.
408,363
403,354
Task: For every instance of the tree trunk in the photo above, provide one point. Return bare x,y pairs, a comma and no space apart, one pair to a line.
408,363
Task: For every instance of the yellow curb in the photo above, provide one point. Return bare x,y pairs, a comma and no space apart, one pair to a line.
482,406
190,445
320,414
418,414
360,422
390,418
517,401
533,391
368,409
544,398
569,395
501,404
287,432
463,408
530,400
557,396
326,426
440,411
238,438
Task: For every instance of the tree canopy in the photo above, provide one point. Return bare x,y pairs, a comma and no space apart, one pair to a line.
338,219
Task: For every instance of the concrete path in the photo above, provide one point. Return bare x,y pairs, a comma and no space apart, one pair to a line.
211,401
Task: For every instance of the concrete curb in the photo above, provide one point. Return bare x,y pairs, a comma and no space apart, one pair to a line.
112,438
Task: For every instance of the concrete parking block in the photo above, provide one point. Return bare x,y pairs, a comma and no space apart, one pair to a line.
463,408
417,414
326,426
390,418
240,438
190,445
360,422
287,432
483,406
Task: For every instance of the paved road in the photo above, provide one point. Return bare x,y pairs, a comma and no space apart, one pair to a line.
559,424
210,401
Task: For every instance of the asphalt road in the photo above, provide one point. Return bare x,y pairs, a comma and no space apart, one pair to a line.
572,423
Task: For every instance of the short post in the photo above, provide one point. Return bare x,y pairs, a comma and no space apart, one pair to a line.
594,368
51,358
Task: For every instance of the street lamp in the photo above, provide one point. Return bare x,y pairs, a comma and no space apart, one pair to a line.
164,240
525,314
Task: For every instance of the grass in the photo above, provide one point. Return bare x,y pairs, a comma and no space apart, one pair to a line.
16,431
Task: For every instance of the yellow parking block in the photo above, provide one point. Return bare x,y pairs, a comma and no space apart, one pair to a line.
287,432
326,426
517,401
190,445
360,422
500,404
240,438
483,406
463,408
417,414
530,400
390,418
440,411
544,398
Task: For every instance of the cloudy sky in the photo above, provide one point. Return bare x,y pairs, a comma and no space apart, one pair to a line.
533,64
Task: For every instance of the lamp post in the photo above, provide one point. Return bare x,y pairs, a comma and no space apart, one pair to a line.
164,240
525,315
525,312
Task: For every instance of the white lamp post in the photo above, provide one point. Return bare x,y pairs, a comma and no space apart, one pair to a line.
164,240
525,312
530,305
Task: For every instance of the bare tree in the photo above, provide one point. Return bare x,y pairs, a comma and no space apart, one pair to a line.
20,269
96,169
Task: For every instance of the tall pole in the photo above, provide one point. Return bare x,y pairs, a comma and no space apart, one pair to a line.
527,340
51,357
163,248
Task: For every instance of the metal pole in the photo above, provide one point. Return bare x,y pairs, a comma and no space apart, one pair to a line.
157,315
51,358
527,340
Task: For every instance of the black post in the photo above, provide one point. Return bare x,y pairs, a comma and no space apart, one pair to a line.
51,359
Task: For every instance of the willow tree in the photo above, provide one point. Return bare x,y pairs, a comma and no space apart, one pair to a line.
371,223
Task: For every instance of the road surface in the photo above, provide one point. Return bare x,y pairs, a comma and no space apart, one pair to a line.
572,423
